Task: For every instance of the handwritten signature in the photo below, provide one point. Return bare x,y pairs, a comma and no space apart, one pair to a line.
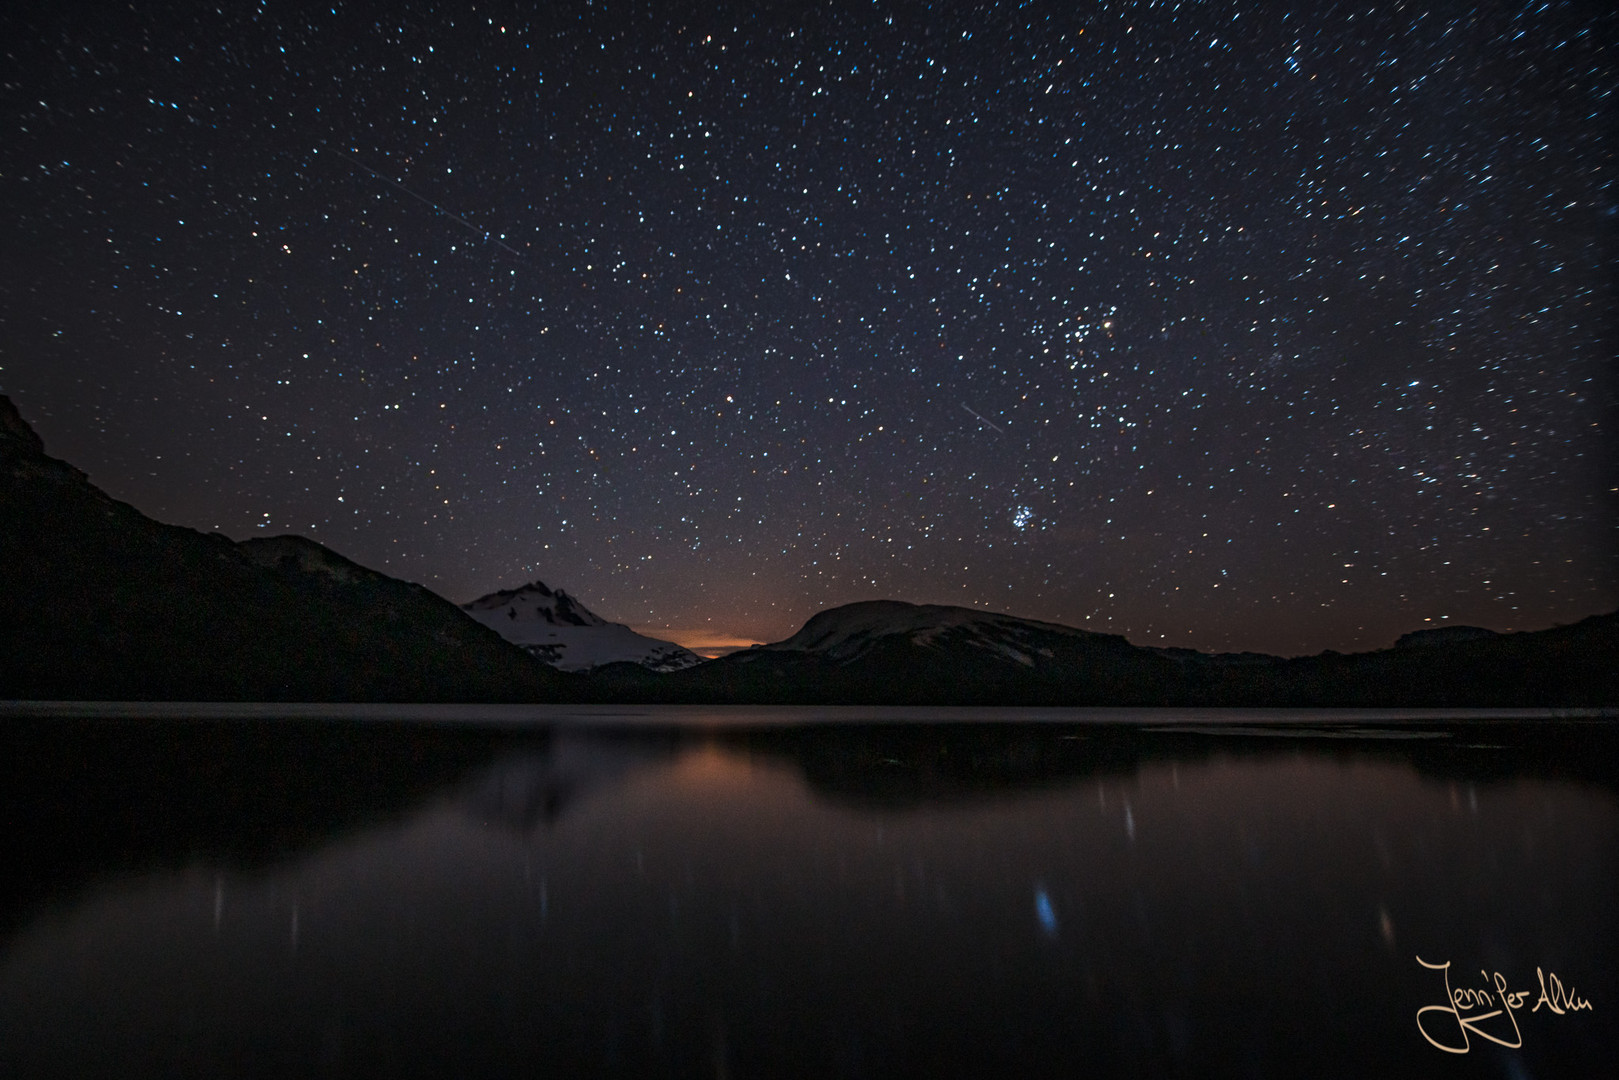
1491,1011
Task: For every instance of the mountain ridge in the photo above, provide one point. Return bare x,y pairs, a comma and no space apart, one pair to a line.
889,652
99,601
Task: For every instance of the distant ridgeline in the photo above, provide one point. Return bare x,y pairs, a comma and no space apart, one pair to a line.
98,601
884,652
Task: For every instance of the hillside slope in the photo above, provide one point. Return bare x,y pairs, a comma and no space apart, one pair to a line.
98,601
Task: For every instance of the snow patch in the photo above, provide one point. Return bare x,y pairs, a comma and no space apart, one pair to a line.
559,630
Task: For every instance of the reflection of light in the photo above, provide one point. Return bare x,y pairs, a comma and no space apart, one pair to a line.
711,767
1043,912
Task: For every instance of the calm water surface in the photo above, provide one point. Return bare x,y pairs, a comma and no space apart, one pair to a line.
815,894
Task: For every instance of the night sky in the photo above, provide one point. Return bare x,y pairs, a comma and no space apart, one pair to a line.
1217,325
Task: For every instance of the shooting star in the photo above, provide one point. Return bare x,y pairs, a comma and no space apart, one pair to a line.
485,233
982,418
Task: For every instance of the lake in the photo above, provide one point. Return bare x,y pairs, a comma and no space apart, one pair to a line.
364,891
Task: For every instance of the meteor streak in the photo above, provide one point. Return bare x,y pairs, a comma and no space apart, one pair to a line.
982,417
486,234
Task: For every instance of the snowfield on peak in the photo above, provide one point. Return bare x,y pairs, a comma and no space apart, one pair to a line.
558,629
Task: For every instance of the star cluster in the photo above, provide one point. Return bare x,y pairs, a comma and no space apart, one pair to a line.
1225,325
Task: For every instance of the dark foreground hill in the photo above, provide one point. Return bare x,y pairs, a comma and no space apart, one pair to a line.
885,652
98,601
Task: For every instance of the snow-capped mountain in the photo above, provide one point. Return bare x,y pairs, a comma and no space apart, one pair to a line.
561,631
889,652
844,634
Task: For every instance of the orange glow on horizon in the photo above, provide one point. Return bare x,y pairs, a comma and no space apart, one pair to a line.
704,642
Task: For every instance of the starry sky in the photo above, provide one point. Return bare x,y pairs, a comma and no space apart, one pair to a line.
1223,325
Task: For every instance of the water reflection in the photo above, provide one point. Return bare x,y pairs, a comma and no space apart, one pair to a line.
857,902
536,786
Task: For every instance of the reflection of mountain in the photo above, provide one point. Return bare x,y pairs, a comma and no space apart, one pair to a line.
883,767
85,799
90,800
897,766
886,652
523,790
97,600
712,915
